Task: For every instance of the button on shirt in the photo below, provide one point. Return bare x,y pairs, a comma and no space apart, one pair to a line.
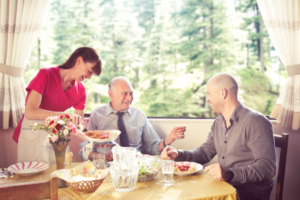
141,134
246,147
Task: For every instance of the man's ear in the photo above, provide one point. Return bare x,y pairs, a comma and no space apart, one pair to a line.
224,93
110,94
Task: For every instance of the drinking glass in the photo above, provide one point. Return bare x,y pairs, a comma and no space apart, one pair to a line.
99,161
167,170
124,176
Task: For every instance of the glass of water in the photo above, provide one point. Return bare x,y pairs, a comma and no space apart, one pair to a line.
99,161
167,170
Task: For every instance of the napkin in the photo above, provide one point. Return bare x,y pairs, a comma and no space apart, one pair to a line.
83,172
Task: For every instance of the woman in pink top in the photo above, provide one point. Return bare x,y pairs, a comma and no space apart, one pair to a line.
51,93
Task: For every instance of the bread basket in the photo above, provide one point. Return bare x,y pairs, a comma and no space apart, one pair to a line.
83,187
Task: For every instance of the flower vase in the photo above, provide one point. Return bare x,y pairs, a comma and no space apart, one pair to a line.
60,150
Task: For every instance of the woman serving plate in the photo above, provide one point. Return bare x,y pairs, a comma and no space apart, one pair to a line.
101,136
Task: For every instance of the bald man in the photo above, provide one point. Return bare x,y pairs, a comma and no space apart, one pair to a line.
242,139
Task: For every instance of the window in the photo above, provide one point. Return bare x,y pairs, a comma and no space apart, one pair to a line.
167,48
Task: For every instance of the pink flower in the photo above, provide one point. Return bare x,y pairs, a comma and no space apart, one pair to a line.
54,138
71,126
55,119
74,131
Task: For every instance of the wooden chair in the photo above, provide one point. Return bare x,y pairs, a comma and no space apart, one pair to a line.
282,143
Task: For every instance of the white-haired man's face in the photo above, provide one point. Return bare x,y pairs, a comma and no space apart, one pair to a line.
214,98
121,96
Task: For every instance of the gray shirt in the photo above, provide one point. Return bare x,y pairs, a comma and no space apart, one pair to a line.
141,134
246,147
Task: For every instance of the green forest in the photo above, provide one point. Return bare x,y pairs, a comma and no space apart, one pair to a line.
167,48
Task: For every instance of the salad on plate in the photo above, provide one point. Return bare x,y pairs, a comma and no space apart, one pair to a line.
149,168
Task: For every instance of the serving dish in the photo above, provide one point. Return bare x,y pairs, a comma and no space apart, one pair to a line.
115,133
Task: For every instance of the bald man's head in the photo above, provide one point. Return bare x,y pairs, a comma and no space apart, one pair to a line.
226,81
118,80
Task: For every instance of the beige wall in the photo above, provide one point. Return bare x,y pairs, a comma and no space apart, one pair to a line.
196,134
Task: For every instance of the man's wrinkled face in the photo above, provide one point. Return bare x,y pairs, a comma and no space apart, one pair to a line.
213,97
121,95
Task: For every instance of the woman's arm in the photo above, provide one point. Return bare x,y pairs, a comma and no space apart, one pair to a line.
32,108
33,111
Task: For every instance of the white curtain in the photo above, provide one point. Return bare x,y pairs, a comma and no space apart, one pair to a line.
20,21
282,20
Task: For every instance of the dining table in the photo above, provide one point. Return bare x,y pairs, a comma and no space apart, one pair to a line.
196,186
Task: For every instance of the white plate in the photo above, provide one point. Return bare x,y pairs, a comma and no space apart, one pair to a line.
102,140
28,168
198,168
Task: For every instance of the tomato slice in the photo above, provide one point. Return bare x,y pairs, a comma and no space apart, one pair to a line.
183,167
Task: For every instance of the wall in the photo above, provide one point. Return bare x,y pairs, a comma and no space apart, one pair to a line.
196,134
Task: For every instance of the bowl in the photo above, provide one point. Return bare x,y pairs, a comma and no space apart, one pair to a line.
149,168
84,187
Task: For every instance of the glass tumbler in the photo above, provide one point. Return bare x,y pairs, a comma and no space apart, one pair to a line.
99,161
168,170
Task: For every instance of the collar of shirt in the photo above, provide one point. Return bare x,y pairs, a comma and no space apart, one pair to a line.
110,110
234,116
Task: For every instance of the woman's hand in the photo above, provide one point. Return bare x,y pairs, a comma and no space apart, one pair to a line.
75,119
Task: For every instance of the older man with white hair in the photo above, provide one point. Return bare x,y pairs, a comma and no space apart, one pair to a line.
242,139
136,130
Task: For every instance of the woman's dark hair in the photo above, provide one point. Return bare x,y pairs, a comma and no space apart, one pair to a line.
88,54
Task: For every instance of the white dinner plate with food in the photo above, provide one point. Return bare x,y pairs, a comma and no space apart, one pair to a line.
28,168
101,136
186,168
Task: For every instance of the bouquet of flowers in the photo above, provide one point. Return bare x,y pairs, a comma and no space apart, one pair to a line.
59,128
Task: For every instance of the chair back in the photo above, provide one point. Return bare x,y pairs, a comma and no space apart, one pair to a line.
281,141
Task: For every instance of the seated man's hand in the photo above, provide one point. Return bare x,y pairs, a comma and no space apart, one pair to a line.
103,145
176,133
216,171
109,156
169,153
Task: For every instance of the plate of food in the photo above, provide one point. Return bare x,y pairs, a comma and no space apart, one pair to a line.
28,168
101,136
186,168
